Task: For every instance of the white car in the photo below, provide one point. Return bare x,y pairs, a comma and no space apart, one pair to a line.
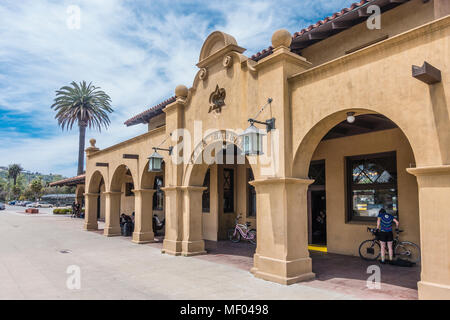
40,205
2,206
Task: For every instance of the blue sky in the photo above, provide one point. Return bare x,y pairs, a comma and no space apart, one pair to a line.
137,51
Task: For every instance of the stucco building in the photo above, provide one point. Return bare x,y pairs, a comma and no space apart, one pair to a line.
356,128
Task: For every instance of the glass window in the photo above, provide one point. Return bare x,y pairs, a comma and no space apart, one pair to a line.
158,196
372,185
251,194
206,194
228,190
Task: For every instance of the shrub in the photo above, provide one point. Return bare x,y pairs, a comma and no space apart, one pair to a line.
62,211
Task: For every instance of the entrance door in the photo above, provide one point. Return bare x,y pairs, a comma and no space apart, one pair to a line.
317,214
318,218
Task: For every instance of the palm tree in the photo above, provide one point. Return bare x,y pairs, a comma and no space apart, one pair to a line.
86,105
13,171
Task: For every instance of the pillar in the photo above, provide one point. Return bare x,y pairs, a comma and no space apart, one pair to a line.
193,243
90,216
282,224
174,220
112,214
434,204
143,210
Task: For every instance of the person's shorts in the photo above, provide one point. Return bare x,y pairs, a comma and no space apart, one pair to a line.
385,236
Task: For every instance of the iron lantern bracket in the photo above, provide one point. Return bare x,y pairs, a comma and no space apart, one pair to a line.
170,149
270,124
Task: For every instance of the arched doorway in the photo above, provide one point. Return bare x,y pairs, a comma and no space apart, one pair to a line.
358,167
224,174
151,203
120,199
94,201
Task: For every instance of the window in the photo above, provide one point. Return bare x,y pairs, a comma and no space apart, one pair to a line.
251,194
206,194
371,185
128,189
158,196
228,190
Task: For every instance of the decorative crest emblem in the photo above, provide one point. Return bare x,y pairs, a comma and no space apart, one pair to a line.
217,100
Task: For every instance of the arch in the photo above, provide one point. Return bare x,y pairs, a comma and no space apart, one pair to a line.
95,182
118,178
147,179
79,194
195,170
216,41
311,140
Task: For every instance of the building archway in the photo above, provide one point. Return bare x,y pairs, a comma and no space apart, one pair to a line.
119,199
364,169
94,200
223,173
153,202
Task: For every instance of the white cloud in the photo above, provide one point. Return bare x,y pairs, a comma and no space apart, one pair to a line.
137,51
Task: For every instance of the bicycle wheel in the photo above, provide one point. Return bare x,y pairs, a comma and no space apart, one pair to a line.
234,237
408,251
253,239
369,250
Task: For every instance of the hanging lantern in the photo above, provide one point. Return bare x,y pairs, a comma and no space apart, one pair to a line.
252,140
155,162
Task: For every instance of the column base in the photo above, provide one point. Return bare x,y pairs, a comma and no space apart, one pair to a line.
193,248
172,247
92,226
282,271
143,237
112,232
433,291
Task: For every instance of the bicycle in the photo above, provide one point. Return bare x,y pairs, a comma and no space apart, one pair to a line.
242,231
370,250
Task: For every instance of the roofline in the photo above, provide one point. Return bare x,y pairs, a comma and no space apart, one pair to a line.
323,29
73,181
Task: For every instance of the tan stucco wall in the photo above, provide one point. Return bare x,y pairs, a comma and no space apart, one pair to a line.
393,22
344,237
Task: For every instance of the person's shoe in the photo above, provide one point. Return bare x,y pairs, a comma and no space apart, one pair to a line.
382,262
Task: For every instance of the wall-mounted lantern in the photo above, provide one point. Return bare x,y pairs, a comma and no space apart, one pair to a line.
155,161
252,140
252,136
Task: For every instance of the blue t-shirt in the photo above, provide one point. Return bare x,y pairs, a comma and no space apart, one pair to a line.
386,222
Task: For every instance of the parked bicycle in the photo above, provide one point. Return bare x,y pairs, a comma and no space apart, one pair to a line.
371,250
242,231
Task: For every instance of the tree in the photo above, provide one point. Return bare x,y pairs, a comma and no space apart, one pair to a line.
13,171
85,105
16,191
36,187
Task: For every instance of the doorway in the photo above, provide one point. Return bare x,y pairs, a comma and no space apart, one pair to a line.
318,218
317,205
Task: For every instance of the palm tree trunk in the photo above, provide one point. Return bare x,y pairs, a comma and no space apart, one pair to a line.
81,149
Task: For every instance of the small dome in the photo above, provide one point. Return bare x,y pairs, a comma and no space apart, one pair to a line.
281,37
181,91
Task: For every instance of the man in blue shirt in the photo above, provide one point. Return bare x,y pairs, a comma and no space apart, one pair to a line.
384,225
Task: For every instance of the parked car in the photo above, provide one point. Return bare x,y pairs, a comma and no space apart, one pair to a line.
40,205
2,206
12,203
